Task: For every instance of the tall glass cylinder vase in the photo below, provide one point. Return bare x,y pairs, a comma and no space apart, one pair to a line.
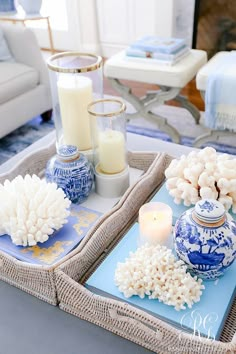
76,80
108,126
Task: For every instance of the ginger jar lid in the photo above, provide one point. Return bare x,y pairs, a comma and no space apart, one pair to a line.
209,210
68,152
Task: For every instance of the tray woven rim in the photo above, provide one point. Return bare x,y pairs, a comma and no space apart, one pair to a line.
63,279
28,276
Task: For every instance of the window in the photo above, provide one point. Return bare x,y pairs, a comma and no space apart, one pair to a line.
57,10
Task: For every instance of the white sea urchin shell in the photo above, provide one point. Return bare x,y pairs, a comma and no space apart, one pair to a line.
31,209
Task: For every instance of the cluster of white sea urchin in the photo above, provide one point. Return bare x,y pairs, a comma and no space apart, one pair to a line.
31,209
202,175
154,271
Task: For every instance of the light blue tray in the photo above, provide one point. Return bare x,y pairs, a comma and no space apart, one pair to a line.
206,317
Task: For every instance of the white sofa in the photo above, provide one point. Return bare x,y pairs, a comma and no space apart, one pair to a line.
24,82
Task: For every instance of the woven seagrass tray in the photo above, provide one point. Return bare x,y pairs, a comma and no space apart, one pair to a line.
119,317
39,280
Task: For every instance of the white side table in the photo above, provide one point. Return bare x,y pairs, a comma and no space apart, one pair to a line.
24,18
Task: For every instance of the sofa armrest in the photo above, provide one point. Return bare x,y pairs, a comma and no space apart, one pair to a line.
25,49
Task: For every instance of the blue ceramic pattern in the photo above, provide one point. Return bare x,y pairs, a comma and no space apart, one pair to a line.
208,250
68,151
74,176
209,210
208,206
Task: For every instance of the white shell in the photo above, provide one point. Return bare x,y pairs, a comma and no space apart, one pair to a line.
212,175
31,209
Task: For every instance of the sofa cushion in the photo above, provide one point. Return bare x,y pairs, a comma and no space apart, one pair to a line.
16,79
5,54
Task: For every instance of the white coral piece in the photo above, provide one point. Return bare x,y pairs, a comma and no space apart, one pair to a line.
31,209
154,271
203,174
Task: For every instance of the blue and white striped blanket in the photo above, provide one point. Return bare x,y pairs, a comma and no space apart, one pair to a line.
220,96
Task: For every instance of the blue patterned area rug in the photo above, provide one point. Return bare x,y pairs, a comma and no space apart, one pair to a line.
36,129
185,140
22,137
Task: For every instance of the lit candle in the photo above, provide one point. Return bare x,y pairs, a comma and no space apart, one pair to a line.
111,151
155,223
75,93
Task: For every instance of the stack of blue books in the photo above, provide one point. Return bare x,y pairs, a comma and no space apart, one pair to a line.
161,50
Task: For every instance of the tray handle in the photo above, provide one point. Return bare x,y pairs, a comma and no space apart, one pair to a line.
115,316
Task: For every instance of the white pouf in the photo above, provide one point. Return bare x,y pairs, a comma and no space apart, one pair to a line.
207,69
178,75
201,83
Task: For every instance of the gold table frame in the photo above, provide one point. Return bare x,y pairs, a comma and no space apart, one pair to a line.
24,18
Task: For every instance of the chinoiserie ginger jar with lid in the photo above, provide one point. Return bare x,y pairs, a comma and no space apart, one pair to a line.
205,239
72,172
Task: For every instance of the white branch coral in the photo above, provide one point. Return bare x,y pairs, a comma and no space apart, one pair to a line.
203,175
154,271
31,209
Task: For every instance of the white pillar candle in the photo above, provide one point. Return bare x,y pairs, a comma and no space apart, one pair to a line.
111,185
155,223
75,93
111,151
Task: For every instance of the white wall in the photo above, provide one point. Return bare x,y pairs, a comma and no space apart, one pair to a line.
107,26
82,31
184,18
120,22
60,12
88,41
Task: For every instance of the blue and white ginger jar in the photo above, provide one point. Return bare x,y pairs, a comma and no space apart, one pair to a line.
72,172
205,239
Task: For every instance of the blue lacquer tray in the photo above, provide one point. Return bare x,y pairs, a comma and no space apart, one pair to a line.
59,244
